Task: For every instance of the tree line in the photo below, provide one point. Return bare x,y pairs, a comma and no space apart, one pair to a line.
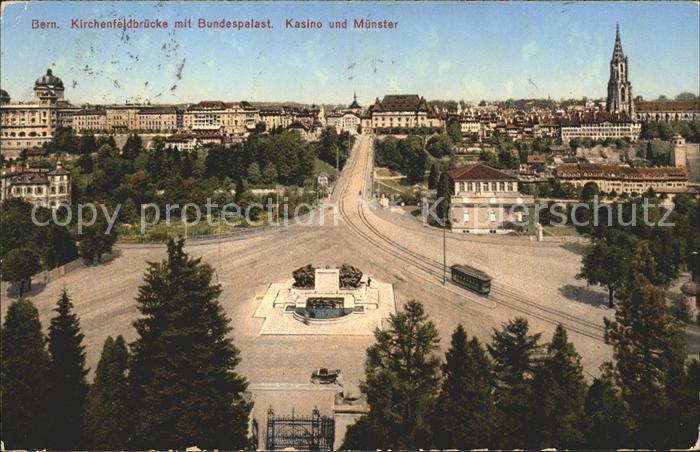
518,393
174,387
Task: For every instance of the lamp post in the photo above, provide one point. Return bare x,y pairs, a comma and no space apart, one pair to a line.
694,266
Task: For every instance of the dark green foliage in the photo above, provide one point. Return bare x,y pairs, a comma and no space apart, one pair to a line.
439,145
88,145
514,351
465,413
607,419
350,276
96,240
63,141
433,177
24,378
333,147
406,156
590,190
647,356
304,277
606,262
106,416
18,266
85,163
454,130
444,199
132,148
559,392
68,386
185,390
401,379
53,245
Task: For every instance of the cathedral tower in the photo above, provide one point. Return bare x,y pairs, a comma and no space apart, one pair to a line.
619,87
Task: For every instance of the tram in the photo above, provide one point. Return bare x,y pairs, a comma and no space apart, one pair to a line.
471,278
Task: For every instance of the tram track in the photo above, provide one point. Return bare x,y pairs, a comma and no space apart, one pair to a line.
501,294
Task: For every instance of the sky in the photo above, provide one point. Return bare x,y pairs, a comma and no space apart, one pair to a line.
469,51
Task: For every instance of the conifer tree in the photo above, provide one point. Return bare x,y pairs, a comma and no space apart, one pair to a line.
465,413
642,336
444,196
24,379
105,419
68,386
433,177
559,394
185,389
514,351
401,380
607,419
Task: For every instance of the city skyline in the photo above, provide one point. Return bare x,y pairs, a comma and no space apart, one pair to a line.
557,50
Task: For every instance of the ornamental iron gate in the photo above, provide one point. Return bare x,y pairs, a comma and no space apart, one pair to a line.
313,432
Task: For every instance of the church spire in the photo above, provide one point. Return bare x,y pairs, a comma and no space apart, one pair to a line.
617,51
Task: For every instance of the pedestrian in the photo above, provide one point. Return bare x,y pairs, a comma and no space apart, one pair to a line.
369,282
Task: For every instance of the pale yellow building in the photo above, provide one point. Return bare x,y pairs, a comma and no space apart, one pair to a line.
38,187
624,179
25,125
400,111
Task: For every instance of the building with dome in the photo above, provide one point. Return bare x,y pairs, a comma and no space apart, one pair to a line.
24,125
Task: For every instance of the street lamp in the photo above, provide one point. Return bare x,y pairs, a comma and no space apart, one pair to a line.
694,266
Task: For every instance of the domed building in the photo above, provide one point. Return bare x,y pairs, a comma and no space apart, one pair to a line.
4,97
24,125
48,88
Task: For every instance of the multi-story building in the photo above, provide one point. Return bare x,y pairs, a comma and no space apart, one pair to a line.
623,179
157,119
688,111
25,125
600,126
400,111
39,187
89,120
231,119
484,200
275,117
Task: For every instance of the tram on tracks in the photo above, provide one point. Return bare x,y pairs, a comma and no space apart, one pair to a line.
471,278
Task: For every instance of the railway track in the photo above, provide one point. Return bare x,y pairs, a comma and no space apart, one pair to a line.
433,271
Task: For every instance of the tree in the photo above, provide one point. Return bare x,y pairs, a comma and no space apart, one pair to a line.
433,177
514,351
559,393
607,418
590,190
444,199
58,245
88,145
686,96
85,163
185,390
24,380
132,147
465,413
642,336
96,240
68,386
401,378
606,263
106,416
240,189
439,145
18,266
254,174
454,130
269,174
